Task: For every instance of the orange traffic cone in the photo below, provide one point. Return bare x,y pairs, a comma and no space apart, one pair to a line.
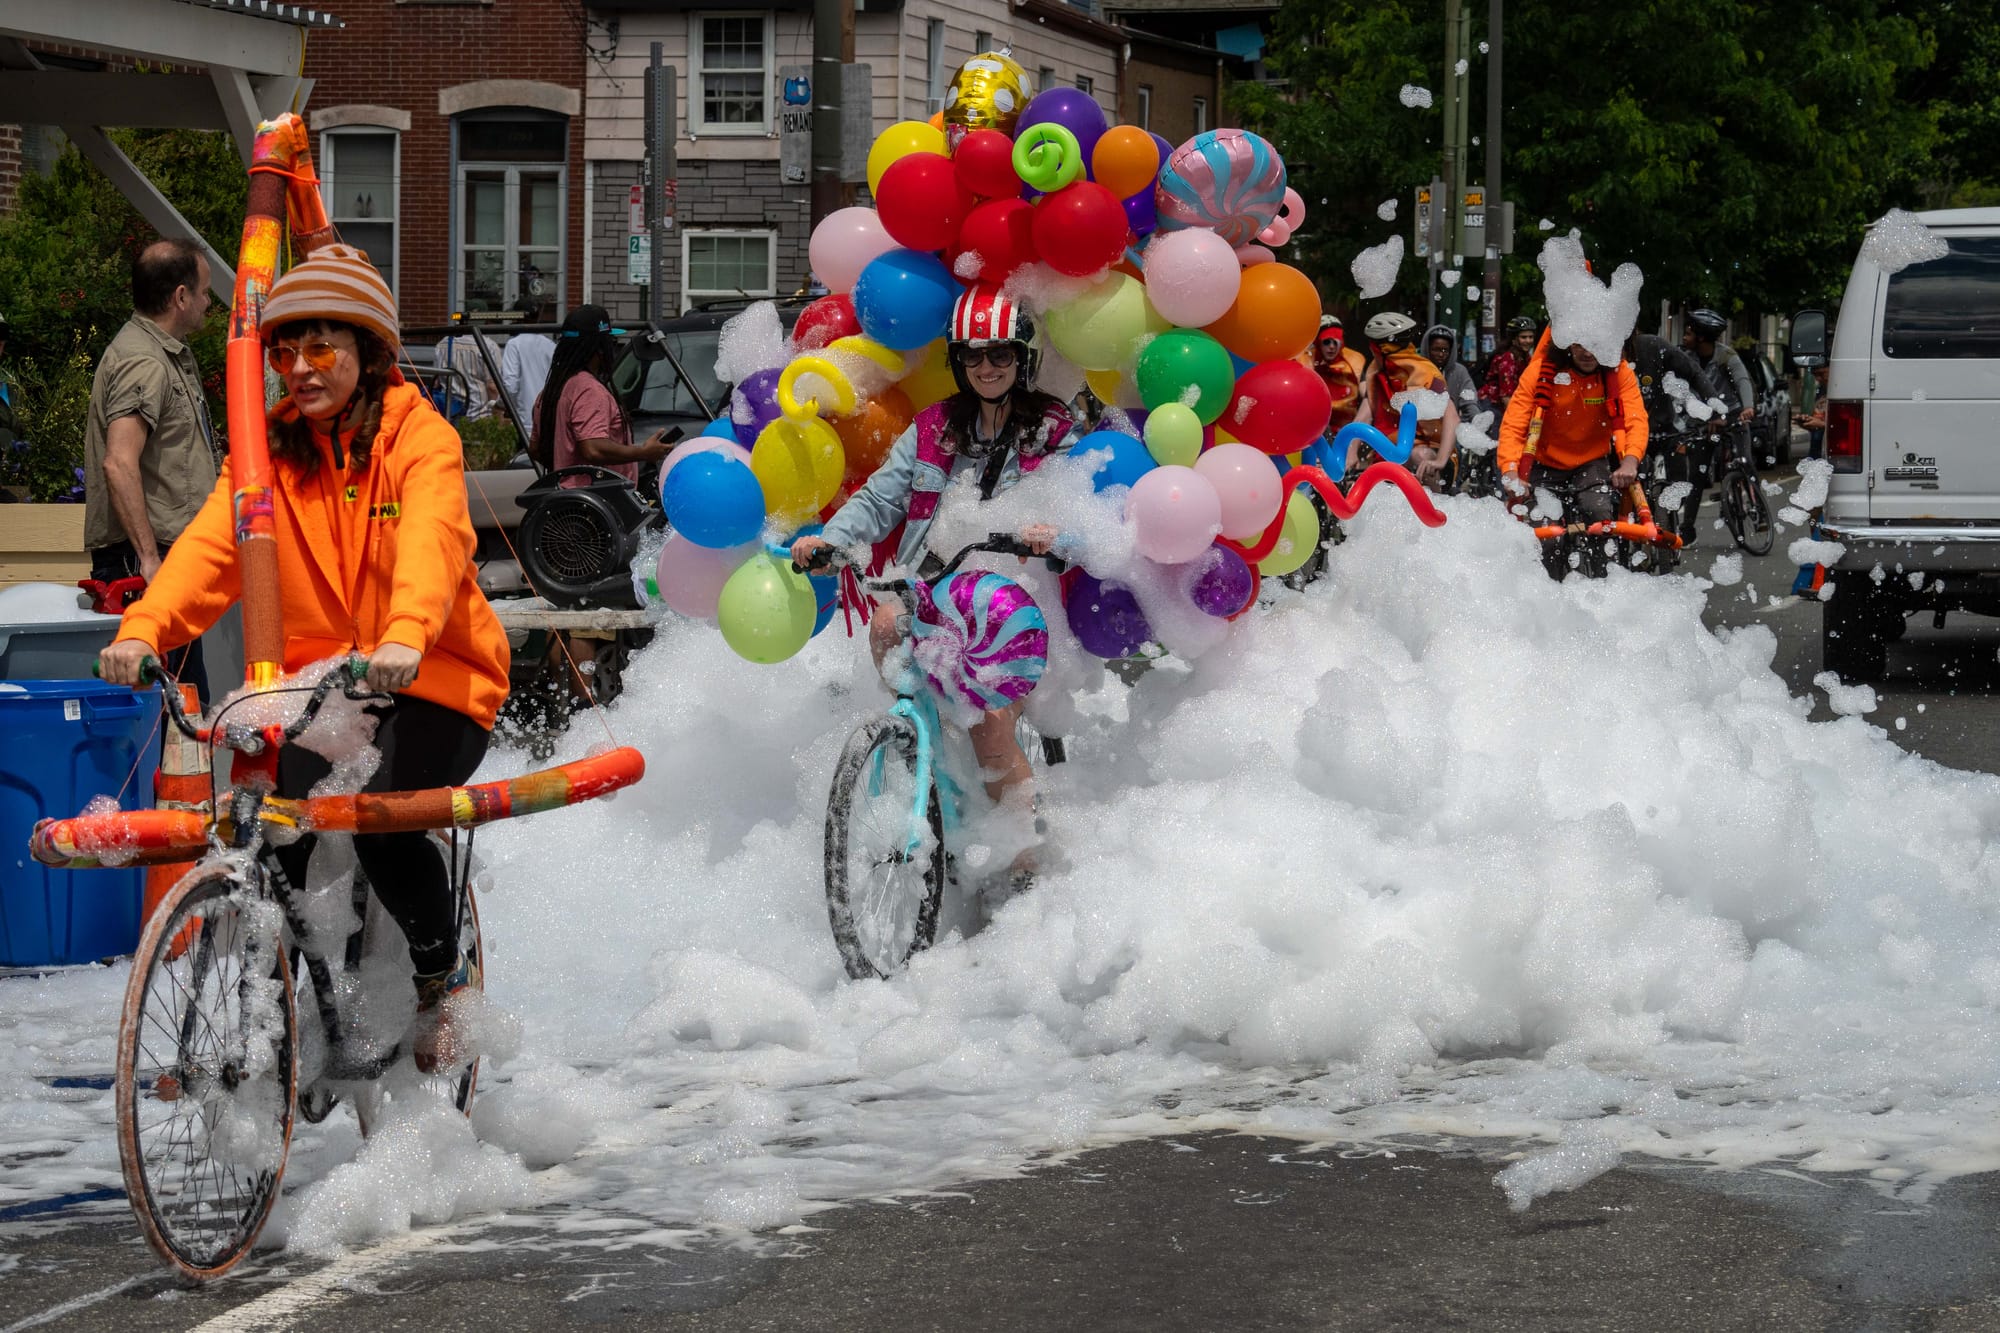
183,782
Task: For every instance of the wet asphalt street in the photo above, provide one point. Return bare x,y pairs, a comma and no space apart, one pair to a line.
1195,1232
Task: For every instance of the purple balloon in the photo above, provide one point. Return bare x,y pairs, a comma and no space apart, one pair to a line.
753,405
1224,584
1142,215
1105,618
1074,110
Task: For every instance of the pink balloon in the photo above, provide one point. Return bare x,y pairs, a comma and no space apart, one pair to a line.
1191,277
843,244
690,577
1246,484
1250,255
1175,514
701,444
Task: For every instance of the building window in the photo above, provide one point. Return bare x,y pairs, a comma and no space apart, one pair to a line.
359,185
1201,115
729,90
1084,84
934,63
1045,79
719,264
1145,106
982,41
512,212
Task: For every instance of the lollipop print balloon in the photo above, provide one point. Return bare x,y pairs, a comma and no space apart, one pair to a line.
981,639
1230,181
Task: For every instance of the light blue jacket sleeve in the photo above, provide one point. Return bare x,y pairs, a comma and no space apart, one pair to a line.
873,512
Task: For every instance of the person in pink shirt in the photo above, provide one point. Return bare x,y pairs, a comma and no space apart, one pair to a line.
588,425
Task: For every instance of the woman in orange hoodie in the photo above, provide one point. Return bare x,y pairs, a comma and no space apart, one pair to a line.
375,557
1569,418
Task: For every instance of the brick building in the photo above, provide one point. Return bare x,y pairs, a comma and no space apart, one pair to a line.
450,138
740,229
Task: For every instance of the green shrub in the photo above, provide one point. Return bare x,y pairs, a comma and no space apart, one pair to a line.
53,408
490,442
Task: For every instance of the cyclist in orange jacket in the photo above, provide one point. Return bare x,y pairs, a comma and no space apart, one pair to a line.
1570,418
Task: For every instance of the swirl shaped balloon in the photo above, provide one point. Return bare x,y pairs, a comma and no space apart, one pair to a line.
981,639
1230,181
987,93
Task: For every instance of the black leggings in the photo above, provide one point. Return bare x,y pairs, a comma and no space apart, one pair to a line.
423,745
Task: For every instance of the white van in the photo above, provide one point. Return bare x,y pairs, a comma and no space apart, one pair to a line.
1913,431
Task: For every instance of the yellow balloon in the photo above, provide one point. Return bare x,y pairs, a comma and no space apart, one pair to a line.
799,463
929,379
898,141
1297,540
987,93
835,380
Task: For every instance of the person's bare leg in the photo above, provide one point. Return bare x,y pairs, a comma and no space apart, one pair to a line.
1009,781
882,630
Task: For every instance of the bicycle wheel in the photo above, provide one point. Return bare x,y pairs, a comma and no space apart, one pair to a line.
207,1070
1752,526
885,861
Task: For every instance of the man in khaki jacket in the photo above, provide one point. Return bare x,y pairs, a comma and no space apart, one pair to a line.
150,452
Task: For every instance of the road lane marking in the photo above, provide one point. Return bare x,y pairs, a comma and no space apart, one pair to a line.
70,1307
279,1307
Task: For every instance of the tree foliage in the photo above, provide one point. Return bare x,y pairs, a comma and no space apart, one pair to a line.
1733,149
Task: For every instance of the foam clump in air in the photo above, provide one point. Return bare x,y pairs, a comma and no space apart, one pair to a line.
1583,309
1414,96
1846,700
1901,239
1386,210
1375,268
1582,1155
751,340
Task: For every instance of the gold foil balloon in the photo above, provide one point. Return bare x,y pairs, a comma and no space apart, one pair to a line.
987,94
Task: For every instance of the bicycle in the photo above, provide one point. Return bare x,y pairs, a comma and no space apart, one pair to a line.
1741,498
209,1042
892,803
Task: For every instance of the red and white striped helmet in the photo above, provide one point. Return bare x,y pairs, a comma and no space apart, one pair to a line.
982,315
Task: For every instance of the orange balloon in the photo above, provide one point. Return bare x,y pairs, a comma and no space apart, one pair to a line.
871,431
1125,160
1276,315
937,123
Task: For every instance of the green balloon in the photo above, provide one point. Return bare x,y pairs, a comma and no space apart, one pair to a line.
1100,329
1173,435
766,609
1184,360
1297,540
1047,157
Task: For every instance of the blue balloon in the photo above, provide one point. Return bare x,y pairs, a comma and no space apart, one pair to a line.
722,428
904,299
1396,451
1240,364
1128,462
714,501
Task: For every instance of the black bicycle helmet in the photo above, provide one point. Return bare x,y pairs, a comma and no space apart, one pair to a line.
1520,324
1707,323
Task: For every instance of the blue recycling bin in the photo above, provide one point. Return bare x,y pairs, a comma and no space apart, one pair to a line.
63,742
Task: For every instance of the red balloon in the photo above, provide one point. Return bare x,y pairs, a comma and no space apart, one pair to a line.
1280,406
984,162
920,202
824,321
1001,233
1081,229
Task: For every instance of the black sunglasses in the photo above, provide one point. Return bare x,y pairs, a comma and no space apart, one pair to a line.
999,357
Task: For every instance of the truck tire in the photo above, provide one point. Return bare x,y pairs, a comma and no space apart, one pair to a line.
1853,639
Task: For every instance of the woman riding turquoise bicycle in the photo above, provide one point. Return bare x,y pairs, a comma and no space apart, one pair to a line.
996,429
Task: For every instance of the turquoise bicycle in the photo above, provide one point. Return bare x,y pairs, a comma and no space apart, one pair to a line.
894,800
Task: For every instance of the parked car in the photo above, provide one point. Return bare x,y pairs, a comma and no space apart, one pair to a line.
1771,429
1913,390
695,394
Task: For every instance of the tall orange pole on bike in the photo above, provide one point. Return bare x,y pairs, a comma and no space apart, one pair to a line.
282,186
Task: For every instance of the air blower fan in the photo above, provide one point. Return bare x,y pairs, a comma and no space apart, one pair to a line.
577,541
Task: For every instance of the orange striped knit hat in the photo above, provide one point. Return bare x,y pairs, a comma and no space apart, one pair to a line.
335,282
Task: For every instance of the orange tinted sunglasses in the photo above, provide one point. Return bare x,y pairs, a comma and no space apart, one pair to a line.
319,354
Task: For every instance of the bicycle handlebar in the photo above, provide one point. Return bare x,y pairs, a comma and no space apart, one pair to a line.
999,543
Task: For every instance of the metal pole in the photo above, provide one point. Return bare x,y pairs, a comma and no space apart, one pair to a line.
1454,163
1496,212
828,24
662,167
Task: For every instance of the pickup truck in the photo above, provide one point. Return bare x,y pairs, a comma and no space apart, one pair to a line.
1912,415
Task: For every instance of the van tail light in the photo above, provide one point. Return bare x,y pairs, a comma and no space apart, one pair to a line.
1843,435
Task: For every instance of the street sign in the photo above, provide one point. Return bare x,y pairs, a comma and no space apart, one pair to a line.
1472,221
639,259
635,217
1423,216
795,124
